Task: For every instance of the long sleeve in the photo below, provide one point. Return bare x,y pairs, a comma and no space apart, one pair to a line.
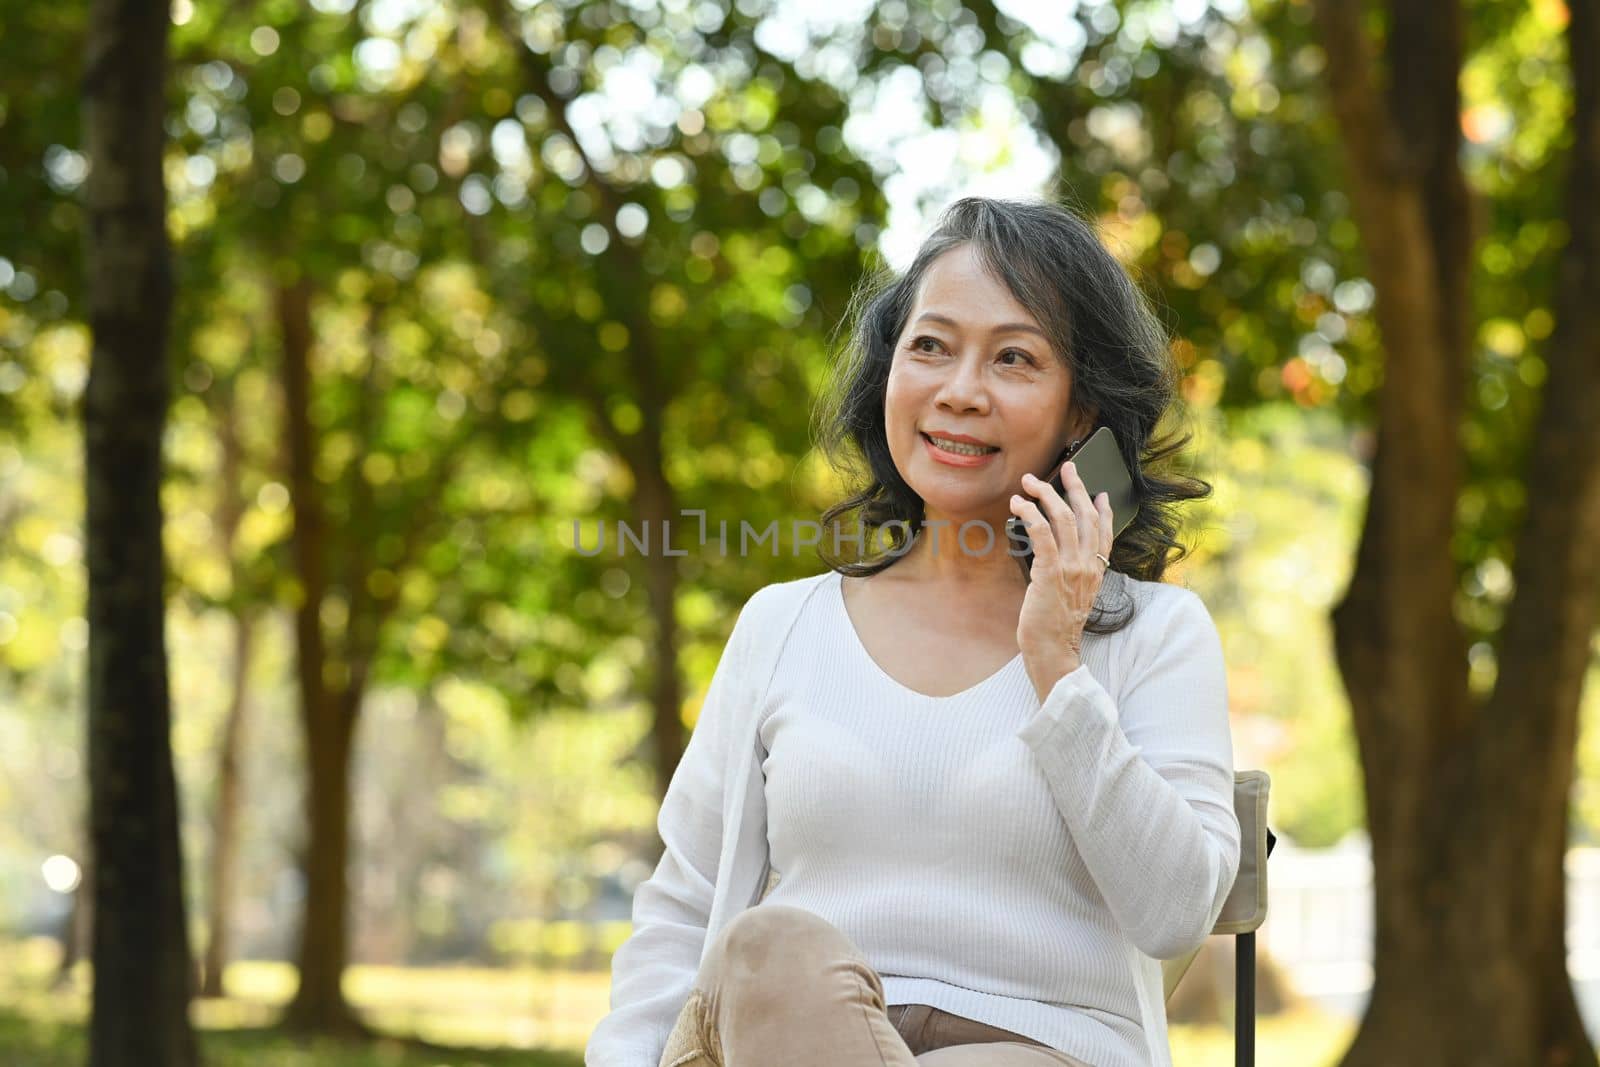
654,969
1146,789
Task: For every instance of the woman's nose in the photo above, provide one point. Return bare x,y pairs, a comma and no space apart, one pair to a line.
962,386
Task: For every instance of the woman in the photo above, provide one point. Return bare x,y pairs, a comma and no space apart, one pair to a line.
939,808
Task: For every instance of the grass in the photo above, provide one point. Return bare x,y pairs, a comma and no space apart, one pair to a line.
528,1017
37,1043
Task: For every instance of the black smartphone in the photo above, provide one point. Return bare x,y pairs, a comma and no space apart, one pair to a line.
1101,469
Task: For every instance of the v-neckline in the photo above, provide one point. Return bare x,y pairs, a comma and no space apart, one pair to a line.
854,636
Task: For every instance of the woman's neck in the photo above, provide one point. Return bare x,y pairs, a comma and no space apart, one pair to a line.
938,555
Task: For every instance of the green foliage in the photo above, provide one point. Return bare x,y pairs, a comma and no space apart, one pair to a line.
1584,818
1273,547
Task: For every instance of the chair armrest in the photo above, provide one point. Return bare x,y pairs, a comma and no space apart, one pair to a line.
1246,906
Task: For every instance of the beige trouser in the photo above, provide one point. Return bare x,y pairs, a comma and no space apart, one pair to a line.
781,985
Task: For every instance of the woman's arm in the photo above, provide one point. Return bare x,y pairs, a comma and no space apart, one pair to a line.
653,970
1146,788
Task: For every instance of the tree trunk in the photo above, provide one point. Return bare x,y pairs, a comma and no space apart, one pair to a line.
657,507
327,714
1466,797
225,819
319,1004
79,928
642,451
142,965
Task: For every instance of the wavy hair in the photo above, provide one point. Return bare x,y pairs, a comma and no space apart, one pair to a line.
1097,319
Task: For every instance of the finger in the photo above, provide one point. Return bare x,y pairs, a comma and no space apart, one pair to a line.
1083,509
1062,521
1108,525
1041,536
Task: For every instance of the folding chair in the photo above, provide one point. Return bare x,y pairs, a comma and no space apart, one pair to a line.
1243,911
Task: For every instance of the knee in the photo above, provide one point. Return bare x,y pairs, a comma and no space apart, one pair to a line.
779,936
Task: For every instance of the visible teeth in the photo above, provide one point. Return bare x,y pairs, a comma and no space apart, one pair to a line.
961,447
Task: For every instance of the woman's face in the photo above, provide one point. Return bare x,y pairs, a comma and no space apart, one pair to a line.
971,360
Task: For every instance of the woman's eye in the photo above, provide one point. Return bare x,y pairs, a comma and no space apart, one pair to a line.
917,346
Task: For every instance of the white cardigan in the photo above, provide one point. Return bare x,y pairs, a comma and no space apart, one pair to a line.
1161,842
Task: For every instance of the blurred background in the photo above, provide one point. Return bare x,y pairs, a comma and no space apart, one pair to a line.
452,277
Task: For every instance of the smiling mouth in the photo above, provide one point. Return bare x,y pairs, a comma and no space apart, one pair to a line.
960,448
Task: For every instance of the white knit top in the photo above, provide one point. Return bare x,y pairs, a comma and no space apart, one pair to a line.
926,828
1015,862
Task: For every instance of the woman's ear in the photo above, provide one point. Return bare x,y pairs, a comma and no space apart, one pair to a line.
1085,426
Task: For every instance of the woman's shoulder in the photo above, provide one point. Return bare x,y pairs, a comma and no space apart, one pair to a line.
1158,606
792,591
771,608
